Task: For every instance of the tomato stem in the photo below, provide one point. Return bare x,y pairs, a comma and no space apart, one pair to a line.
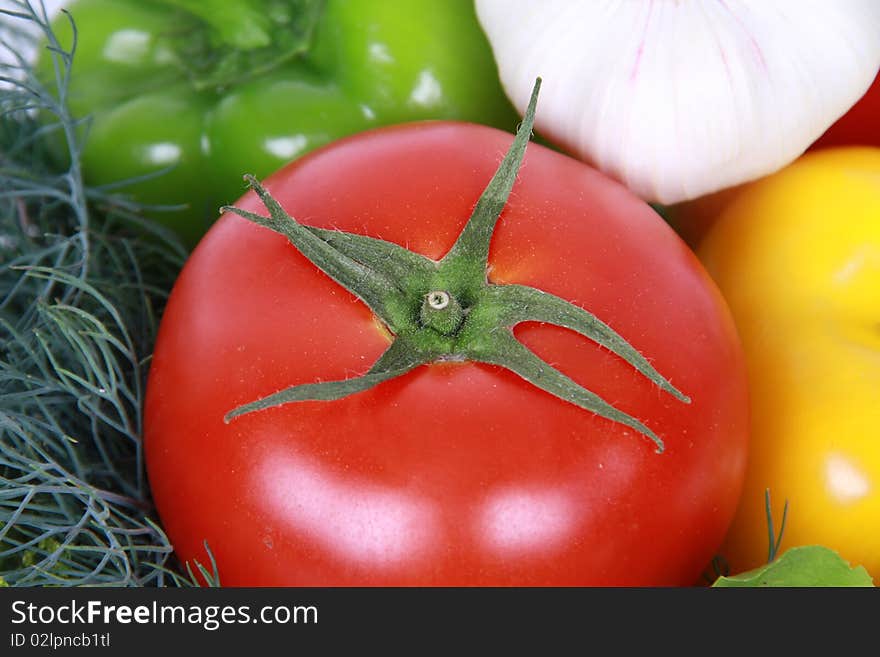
218,43
441,312
448,309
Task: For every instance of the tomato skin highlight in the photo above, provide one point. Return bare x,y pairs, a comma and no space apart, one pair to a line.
456,473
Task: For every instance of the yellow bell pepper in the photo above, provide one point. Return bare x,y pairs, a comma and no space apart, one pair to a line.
797,256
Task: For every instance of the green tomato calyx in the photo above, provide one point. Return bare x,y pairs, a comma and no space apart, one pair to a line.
448,310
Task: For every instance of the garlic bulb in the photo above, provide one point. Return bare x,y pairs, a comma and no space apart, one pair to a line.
680,98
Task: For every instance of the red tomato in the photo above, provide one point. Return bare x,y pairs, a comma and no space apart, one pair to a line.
456,473
860,126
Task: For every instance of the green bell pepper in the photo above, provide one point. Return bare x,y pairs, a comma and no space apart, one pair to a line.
186,95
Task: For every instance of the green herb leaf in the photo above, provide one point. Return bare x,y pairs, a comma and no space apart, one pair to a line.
811,565
83,278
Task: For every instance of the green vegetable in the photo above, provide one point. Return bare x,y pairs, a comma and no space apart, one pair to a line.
811,565
83,279
210,88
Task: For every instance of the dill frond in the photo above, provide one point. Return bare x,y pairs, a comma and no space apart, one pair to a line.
83,279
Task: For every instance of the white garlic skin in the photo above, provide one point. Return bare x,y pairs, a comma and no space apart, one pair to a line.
681,98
